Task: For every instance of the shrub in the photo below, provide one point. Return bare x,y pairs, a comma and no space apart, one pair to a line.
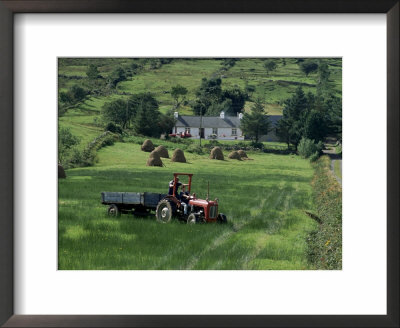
338,149
314,157
107,141
257,145
308,147
196,149
76,158
88,156
214,143
114,128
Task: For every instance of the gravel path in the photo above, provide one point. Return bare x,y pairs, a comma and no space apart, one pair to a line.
330,151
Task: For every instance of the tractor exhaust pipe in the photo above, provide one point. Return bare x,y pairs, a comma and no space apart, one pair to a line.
208,190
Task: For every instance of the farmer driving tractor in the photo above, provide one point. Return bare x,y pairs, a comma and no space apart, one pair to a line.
183,196
173,188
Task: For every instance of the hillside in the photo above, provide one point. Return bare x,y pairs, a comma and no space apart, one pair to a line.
157,78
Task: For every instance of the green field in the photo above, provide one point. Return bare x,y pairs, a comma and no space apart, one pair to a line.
264,200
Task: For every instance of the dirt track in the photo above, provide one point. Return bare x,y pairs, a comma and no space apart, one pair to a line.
330,151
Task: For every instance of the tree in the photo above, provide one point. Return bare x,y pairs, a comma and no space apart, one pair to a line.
77,92
92,72
238,98
166,122
283,131
66,97
178,92
315,126
270,65
294,116
146,120
66,140
323,72
118,112
257,122
311,117
333,109
216,108
116,76
209,92
308,66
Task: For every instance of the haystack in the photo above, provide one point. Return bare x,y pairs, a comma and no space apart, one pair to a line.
61,172
234,155
154,159
162,151
148,146
242,153
216,153
178,156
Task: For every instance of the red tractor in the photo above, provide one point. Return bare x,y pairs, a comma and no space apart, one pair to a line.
187,206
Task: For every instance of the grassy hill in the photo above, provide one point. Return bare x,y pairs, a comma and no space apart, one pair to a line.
274,87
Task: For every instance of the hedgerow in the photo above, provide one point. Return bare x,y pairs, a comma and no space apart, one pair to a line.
324,245
88,156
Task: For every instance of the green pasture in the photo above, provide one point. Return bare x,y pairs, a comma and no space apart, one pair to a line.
264,199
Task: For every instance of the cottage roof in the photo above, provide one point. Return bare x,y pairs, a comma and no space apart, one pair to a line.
215,121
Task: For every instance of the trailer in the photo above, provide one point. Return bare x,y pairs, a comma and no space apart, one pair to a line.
137,202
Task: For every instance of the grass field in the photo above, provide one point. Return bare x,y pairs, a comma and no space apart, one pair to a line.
264,200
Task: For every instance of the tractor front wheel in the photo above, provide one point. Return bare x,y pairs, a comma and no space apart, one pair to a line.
164,211
222,218
191,219
113,210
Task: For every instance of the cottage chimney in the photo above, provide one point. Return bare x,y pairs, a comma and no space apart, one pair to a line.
240,116
176,115
222,115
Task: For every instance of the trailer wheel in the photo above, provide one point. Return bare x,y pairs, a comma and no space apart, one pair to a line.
222,218
191,219
164,211
113,210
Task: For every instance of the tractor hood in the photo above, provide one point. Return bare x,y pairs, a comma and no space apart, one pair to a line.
202,202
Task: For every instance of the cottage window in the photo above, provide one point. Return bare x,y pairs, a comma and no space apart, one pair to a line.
234,132
215,131
187,130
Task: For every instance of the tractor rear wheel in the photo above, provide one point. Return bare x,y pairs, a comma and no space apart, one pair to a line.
222,218
113,210
191,219
164,211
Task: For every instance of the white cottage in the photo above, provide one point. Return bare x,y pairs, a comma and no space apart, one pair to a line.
223,127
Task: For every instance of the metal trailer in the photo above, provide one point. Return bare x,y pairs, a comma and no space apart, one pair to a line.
137,202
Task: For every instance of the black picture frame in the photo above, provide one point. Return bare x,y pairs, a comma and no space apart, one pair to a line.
7,10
